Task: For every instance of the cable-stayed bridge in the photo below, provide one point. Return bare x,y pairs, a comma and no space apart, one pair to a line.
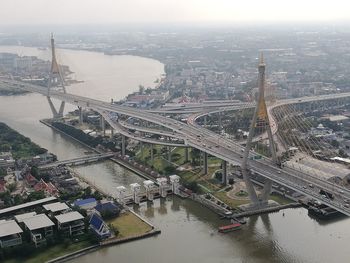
210,143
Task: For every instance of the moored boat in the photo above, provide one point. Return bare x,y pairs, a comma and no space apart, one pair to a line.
231,227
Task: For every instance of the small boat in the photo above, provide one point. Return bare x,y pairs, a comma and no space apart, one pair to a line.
228,228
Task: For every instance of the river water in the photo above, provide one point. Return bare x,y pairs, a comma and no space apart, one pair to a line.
189,231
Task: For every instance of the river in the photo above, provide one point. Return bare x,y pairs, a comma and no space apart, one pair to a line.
189,231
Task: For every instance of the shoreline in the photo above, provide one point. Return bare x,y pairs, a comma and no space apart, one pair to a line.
115,160
107,242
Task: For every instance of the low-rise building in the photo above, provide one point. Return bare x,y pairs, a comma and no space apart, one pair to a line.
99,227
86,204
56,208
108,208
10,233
71,223
40,227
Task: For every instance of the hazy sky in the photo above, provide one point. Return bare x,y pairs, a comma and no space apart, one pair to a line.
14,12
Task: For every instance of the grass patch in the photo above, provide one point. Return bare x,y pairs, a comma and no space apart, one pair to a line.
280,199
51,252
241,194
129,224
231,202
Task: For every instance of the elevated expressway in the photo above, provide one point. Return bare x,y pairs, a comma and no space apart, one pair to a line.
214,144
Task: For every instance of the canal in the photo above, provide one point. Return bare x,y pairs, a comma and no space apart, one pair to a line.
189,231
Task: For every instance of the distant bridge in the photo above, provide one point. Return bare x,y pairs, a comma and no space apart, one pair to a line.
79,160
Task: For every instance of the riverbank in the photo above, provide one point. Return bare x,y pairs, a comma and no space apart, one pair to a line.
130,227
48,124
19,145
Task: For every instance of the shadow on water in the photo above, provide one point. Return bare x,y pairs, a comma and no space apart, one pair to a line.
323,222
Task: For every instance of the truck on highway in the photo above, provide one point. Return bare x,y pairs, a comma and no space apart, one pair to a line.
327,194
255,157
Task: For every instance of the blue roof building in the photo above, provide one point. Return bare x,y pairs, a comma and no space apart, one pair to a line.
88,203
108,208
99,227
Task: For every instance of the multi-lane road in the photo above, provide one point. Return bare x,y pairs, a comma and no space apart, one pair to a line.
215,144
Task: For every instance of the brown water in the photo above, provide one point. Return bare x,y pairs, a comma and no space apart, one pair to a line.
189,231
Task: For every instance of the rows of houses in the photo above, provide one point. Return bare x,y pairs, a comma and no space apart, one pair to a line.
44,219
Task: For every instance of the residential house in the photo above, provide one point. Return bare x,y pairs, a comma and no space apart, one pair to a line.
40,227
10,233
71,223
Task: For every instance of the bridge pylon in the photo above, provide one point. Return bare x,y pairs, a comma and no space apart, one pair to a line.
260,119
55,79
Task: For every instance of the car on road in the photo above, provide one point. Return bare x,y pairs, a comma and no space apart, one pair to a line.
311,185
341,191
346,205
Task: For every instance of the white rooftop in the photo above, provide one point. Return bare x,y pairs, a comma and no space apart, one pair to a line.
9,227
55,207
37,222
69,217
148,183
162,180
26,205
21,217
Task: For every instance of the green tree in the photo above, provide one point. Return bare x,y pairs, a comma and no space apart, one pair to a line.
169,169
35,196
141,89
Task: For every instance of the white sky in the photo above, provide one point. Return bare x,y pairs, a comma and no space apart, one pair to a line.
14,12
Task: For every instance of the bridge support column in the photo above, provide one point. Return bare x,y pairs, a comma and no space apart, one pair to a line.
103,125
152,154
123,145
224,173
142,150
220,122
112,132
205,163
80,109
56,114
169,154
186,154
205,120
260,113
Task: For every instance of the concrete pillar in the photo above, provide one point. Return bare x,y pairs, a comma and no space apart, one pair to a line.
162,182
142,148
175,183
152,155
80,114
169,154
103,125
220,121
205,120
123,145
224,173
136,188
149,186
186,154
205,163
121,190
112,132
